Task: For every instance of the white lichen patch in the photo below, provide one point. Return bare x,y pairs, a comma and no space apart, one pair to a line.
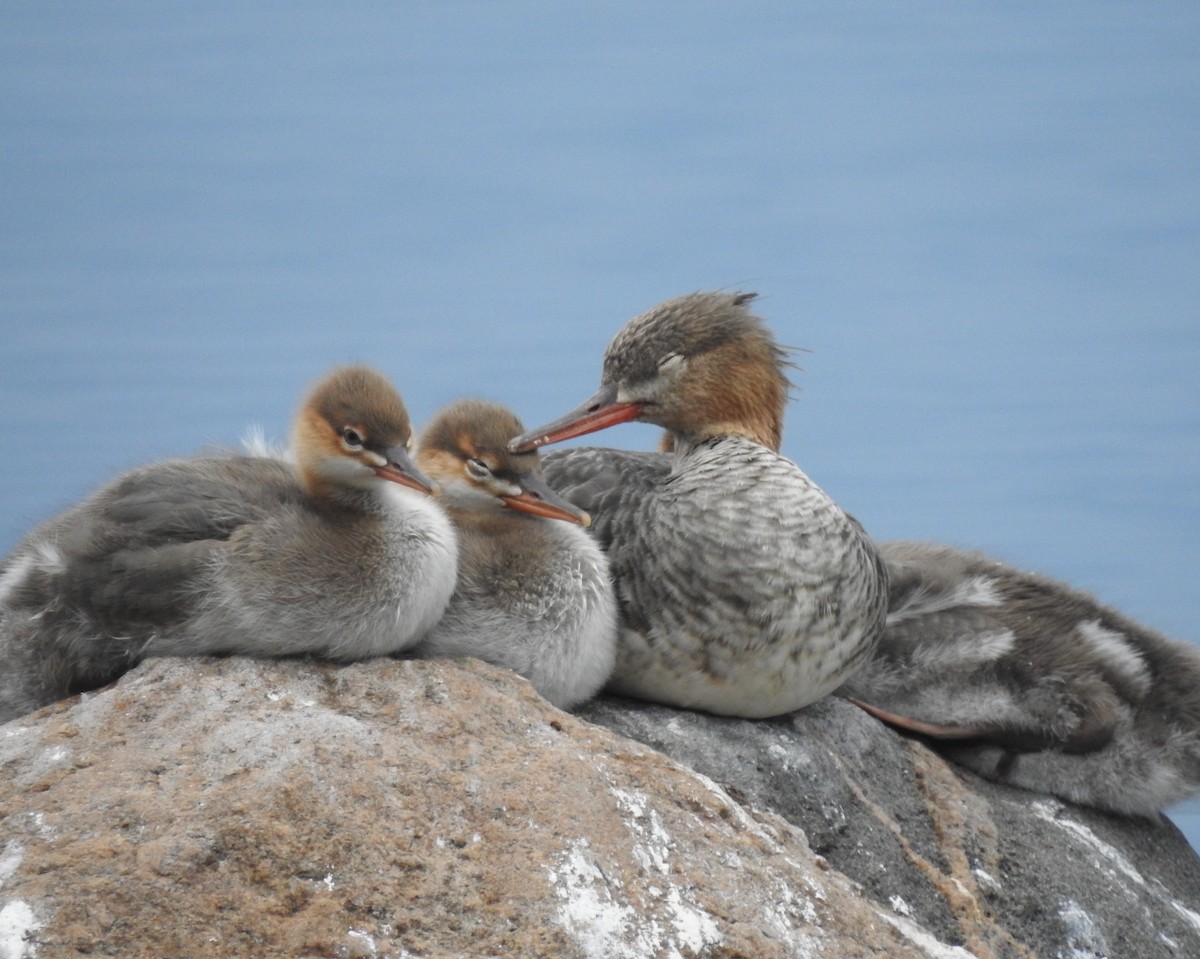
289,697
777,752
694,927
596,912
654,849
39,762
27,824
987,882
645,909
926,942
785,905
56,755
1084,939
365,941
17,925
10,859
1192,917
1111,861
599,926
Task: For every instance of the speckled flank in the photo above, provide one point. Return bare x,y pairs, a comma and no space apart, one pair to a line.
743,588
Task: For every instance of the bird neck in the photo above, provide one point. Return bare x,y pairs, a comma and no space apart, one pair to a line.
765,432
329,495
740,396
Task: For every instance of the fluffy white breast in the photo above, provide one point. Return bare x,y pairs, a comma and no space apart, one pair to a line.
422,551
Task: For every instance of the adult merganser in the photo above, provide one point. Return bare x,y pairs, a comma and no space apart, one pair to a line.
343,555
743,589
1030,682
533,594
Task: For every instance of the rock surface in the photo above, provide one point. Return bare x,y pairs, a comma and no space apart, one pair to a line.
392,809
1000,871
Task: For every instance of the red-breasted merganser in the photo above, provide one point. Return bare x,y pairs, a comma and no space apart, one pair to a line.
533,594
1031,682
343,554
742,588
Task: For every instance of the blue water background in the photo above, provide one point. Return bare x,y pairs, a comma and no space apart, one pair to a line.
981,220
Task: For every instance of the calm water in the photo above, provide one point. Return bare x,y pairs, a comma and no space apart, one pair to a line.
983,222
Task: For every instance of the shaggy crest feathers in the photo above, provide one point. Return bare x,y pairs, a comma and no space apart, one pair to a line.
731,374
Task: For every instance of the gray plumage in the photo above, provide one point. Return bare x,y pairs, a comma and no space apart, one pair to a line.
742,588
533,592
233,554
1031,682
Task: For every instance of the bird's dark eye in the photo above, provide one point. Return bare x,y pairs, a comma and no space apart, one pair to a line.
352,438
478,468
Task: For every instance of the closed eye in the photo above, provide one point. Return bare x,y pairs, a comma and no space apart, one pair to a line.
671,363
478,468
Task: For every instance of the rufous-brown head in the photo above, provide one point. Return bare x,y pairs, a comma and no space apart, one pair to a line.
352,433
465,450
699,365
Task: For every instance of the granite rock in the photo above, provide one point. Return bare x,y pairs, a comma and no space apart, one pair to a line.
232,807
256,808
999,871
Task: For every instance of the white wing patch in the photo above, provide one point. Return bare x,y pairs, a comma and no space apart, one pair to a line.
42,555
976,591
1115,651
970,648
